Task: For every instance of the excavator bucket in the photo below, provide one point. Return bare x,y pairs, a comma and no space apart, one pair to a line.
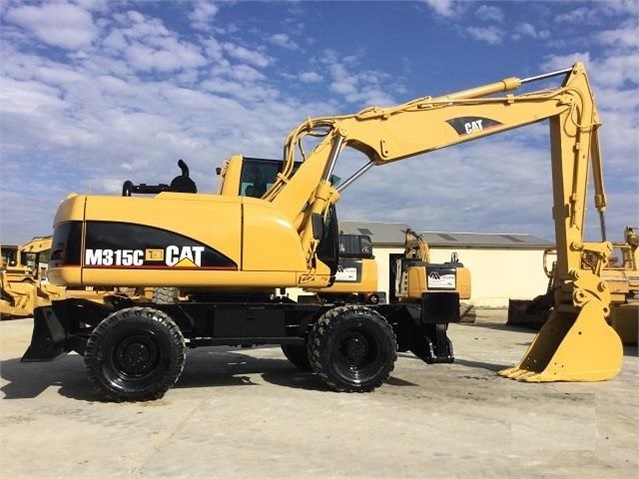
571,347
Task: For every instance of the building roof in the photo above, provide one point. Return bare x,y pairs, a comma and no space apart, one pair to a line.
380,232
392,234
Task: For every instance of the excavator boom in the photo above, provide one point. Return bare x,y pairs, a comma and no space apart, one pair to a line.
576,343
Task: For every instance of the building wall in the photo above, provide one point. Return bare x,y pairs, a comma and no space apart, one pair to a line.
382,256
497,275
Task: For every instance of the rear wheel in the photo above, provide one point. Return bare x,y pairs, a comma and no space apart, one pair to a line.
297,355
352,348
135,354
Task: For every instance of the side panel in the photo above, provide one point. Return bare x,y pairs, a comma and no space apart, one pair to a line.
270,241
169,239
175,239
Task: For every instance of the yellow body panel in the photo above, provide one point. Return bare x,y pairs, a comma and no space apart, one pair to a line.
211,219
415,283
463,283
366,284
270,243
249,231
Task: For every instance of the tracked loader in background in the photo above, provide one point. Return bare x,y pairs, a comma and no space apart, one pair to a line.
621,273
240,250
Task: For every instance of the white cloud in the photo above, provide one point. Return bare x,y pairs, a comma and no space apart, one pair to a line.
202,15
165,54
148,45
282,40
58,24
445,8
245,74
491,35
149,88
627,36
529,30
253,57
361,87
582,15
310,77
490,13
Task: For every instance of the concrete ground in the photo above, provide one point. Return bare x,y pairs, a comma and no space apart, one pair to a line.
251,414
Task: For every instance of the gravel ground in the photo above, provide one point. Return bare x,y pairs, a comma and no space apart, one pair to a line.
249,413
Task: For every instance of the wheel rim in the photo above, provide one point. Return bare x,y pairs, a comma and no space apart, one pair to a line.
359,355
135,356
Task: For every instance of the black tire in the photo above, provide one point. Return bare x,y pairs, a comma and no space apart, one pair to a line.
352,348
165,295
297,354
135,354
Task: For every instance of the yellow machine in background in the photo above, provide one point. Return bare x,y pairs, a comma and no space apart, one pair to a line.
622,277
22,288
356,275
416,274
243,249
23,280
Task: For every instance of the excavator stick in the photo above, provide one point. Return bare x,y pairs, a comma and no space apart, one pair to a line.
571,347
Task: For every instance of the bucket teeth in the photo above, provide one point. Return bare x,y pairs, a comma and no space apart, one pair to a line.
516,373
571,347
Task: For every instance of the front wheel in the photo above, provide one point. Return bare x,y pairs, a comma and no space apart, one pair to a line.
352,348
135,354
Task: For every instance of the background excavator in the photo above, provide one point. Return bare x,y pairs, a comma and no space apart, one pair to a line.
242,249
416,274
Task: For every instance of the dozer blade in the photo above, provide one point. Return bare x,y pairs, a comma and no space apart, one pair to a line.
569,348
49,339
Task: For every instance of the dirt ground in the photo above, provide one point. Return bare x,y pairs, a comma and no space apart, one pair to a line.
249,413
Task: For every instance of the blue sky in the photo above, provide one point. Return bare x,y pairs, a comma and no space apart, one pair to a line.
94,92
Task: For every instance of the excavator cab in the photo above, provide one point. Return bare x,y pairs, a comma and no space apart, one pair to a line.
247,176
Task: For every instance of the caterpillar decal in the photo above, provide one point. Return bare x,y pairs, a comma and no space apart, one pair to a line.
468,125
108,246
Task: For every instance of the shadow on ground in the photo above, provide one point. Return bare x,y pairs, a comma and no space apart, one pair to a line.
203,368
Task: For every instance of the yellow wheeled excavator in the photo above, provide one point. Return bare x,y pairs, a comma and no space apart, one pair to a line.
241,249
